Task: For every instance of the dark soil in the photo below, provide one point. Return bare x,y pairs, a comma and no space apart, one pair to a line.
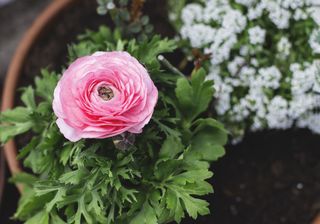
270,178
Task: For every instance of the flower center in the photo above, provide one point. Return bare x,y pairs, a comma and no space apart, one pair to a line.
105,93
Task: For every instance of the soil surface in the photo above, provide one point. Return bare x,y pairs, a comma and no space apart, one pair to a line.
270,178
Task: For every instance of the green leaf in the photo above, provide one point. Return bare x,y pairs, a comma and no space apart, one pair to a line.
208,140
16,115
97,207
185,94
203,91
177,199
214,128
46,84
41,217
74,177
195,206
8,132
170,148
165,169
192,176
55,219
66,153
174,206
24,178
59,196
30,205
146,215
82,212
30,146
28,98
148,51
194,96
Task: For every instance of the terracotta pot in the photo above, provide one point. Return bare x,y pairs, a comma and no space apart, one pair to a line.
2,174
316,220
15,68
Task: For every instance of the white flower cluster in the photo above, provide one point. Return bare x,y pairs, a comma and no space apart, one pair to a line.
259,76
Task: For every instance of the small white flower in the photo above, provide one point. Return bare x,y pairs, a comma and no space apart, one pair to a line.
192,13
300,15
247,3
255,12
257,35
250,89
198,34
235,65
269,77
311,121
278,116
284,47
111,5
315,41
315,12
303,80
244,50
234,21
280,17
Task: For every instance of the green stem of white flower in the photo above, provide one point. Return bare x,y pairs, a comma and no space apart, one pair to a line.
169,66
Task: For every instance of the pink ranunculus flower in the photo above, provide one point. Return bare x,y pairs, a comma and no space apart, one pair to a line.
104,95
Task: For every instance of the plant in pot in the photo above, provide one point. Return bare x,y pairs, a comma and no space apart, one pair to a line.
264,59
118,136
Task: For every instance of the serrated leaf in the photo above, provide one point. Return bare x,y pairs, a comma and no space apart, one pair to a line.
26,149
166,168
208,140
192,176
184,93
148,51
203,90
81,213
24,178
46,84
30,204
28,98
194,96
41,217
16,115
73,177
174,206
55,218
170,148
66,153
195,206
8,132
146,215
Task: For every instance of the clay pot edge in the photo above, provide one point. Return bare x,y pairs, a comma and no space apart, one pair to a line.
15,68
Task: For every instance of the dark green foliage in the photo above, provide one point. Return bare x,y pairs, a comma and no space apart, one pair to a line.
158,179
127,16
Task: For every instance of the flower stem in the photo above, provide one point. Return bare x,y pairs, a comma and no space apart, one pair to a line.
169,66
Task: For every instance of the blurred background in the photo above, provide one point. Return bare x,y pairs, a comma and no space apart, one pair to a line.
15,17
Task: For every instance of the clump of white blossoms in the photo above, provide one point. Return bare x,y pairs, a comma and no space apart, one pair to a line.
264,60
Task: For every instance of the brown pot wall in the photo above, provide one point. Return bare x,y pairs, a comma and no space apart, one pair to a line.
15,68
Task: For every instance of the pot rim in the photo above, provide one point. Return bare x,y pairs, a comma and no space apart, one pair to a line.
15,68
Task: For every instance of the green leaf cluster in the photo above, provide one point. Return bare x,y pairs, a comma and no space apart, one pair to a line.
127,16
160,179
31,116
